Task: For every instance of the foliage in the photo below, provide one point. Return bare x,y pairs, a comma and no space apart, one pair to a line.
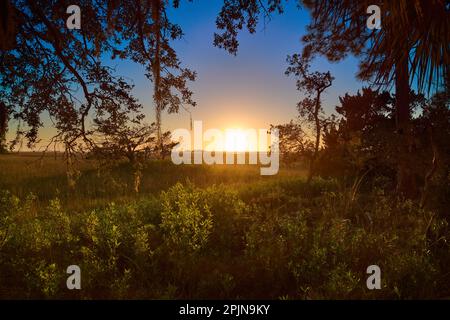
293,142
244,237
313,84
185,220
278,238
54,71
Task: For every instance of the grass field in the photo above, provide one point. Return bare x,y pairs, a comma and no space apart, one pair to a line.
210,232
45,177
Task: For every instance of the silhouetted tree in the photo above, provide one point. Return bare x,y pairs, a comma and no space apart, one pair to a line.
313,84
434,126
8,25
293,142
237,14
412,44
366,140
56,71
123,135
4,117
147,33
50,63
363,110
365,135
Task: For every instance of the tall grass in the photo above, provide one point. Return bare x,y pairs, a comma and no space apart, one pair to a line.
212,232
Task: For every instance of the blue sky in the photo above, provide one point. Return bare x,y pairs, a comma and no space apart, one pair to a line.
249,90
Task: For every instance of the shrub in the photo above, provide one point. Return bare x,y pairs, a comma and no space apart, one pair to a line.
275,239
186,219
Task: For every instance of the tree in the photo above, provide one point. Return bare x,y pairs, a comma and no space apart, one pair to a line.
293,142
4,117
434,123
366,140
43,72
8,26
363,110
147,34
313,84
366,132
48,69
235,14
56,71
123,135
411,45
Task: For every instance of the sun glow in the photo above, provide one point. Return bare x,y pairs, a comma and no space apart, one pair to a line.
236,140
232,146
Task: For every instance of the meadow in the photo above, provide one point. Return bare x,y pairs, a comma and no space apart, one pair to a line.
210,232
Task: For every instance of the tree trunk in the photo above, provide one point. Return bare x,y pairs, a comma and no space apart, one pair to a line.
8,26
4,117
406,182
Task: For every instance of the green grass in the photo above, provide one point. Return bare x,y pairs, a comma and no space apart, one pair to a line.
45,177
210,232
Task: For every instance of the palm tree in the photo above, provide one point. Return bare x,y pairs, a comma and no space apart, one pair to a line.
412,46
8,26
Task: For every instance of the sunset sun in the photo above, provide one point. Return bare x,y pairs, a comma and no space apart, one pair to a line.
239,158
236,140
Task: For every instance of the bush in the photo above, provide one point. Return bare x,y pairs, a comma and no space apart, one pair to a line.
186,219
279,239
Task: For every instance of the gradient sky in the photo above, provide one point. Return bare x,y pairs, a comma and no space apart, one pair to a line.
249,90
